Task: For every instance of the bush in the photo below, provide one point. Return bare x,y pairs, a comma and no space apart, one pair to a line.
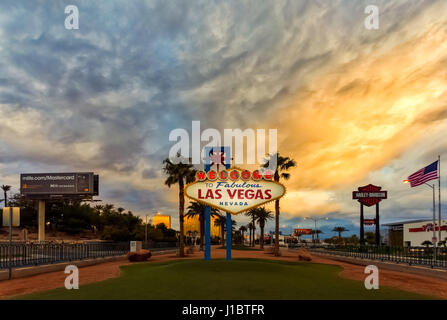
139,256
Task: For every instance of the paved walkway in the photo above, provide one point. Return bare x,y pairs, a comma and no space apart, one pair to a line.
404,281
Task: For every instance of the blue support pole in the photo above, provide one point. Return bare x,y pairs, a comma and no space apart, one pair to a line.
228,236
207,233
207,253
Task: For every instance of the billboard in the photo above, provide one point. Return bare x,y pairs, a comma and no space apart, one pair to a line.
299,232
63,184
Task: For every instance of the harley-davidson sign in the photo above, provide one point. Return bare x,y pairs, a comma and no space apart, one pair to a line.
369,195
234,190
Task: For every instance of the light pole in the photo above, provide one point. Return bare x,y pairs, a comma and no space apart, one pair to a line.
145,231
315,221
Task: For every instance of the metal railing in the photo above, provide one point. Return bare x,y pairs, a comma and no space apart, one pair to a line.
32,254
422,256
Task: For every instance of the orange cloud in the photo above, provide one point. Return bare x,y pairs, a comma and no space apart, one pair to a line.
365,113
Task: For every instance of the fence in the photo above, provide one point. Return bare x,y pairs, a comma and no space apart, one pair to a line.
31,254
422,256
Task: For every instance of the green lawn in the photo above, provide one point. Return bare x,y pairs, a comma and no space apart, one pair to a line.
220,279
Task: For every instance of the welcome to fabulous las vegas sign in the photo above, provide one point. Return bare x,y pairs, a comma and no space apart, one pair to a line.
234,190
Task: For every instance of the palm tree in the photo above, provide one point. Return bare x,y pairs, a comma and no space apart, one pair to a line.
197,208
312,232
179,174
5,189
426,243
252,213
318,232
242,229
233,225
261,216
315,234
340,230
108,208
233,229
251,227
283,164
249,233
189,237
221,221
120,210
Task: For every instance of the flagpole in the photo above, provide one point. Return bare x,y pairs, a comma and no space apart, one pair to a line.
435,243
439,195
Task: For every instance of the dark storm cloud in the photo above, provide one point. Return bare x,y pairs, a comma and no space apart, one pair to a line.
156,56
138,200
109,84
150,173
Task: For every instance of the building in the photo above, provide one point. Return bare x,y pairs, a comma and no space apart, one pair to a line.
192,224
414,232
160,218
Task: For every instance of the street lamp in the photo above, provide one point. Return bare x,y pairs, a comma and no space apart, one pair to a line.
145,231
315,221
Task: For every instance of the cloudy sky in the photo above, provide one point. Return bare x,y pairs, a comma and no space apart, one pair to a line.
352,106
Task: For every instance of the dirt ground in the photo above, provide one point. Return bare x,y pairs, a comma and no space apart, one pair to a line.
404,281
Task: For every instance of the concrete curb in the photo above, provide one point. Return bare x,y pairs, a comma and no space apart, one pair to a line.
157,253
418,270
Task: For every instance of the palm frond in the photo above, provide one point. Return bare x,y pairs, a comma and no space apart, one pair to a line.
285,175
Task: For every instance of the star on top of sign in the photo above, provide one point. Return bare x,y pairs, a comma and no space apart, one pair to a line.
217,157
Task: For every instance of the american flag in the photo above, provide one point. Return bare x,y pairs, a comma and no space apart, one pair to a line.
423,175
